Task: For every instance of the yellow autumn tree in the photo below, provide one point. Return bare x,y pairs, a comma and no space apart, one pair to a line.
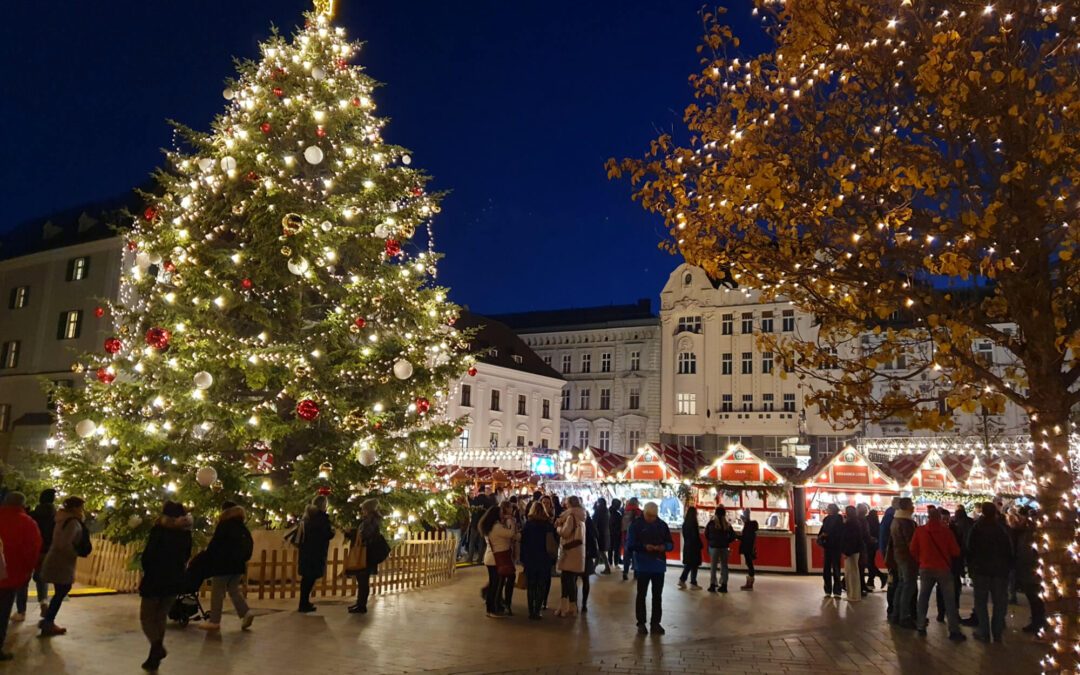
907,172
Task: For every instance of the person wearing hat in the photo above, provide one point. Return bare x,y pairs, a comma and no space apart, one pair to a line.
21,544
228,553
163,561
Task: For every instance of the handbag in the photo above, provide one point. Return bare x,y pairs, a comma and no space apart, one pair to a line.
504,561
570,545
522,581
356,558
552,543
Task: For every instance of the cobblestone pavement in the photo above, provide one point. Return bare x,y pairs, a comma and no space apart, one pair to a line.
783,626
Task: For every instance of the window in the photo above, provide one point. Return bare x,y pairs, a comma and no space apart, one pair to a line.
685,404
5,417
986,350
586,363
521,441
634,401
725,403
788,320
566,363
565,404
545,409
727,324
466,395
689,324
20,295
747,323
564,440
70,325
522,405
518,358
544,442
690,441
747,402
78,268
9,356
583,439
463,439
584,399
747,363
493,439
494,399
605,399
635,360
766,322
605,362
633,440
789,366
547,360
687,363
604,440
766,362
899,363
789,402
725,364
767,402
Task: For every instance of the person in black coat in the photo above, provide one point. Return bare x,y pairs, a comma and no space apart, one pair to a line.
535,557
163,560
990,558
226,558
313,537
852,545
615,514
830,539
44,514
691,549
602,518
592,550
748,547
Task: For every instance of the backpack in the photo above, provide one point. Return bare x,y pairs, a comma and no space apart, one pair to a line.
83,547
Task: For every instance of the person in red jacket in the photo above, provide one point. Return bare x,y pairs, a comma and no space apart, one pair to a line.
22,544
934,548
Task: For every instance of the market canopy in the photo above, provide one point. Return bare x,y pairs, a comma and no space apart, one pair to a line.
851,469
663,461
924,471
598,464
740,465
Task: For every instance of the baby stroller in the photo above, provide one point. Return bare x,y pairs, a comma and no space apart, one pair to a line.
187,608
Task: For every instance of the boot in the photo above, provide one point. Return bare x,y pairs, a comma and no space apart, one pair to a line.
749,585
723,588
564,607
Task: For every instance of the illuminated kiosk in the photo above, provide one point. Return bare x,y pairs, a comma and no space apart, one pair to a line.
739,480
847,478
928,481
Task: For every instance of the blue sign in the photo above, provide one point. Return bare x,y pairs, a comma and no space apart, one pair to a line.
543,465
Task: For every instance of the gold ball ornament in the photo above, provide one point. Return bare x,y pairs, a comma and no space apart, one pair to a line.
238,209
177,280
292,224
408,230
78,368
326,467
354,328
286,251
146,411
217,486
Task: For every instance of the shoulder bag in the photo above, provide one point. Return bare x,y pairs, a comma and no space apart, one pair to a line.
504,561
356,558
570,545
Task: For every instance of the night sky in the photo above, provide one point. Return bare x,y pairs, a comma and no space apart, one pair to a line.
513,105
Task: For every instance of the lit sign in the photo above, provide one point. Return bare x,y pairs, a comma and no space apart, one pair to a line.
543,465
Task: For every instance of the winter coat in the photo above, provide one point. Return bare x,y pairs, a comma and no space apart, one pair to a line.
534,554
989,548
831,535
719,535
884,530
630,514
901,532
852,537
615,525
602,520
748,540
165,557
45,517
58,567
1027,560
691,545
314,536
21,545
571,527
643,533
501,538
874,527
963,524
231,546
934,546
592,545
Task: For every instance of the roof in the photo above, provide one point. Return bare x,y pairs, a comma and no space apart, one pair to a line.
78,225
738,464
608,462
495,344
672,462
639,314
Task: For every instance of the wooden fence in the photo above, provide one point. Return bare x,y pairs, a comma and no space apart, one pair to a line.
423,560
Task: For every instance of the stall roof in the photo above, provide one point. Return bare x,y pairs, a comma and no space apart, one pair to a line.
608,462
911,470
873,478
669,462
682,459
740,465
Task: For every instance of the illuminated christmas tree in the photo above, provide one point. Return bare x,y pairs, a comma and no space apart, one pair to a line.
278,331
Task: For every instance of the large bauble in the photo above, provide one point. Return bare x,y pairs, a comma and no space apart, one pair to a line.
228,164
313,154
205,476
307,409
85,428
203,380
403,370
298,266
366,456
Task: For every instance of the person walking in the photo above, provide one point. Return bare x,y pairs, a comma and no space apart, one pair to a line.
719,534
748,547
227,555
1026,570
20,544
900,558
499,540
163,560
602,520
853,544
831,540
571,528
631,513
535,558
934,548
648,541
369,536
691,550
69,539
615,523
44,516
313,536
990,557
883,547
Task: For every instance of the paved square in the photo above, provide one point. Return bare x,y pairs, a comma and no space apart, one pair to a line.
783,626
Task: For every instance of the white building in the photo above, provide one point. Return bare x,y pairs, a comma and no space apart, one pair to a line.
610,357
511,402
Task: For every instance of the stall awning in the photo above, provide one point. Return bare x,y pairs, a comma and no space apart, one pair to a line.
740,465
848,469
662,461
925,471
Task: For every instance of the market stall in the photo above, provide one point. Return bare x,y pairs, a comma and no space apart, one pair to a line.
589,477
739,480
930,482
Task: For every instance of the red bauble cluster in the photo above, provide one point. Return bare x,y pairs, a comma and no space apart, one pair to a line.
278,91
150,213
113,345
170,266
320,132
132,245
393,247
360,322
105,376
417,192
99,312
341,64
422,405
265,126
246,283
158,338
472,371
324,491
307,409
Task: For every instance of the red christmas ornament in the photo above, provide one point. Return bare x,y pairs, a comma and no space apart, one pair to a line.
158,338
356,102
320,132
99,312
252,176
341,64
262,460
113,345
472,371
278,91
307,409
417,192
324,491
150,213
422,405
265,126
361,322
170,266
132,245
377,426
104,376
393,247
246,283
278,72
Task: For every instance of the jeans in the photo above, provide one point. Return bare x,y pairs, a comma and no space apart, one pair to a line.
535,592
928,579
363,588
831,572
306,584
890,596
219,586
718,556
997,589
627,559
60,592
477,546
852,577
455,532
644,580
749,560
545,580
690,572
7,600
153,615
904,595
491,595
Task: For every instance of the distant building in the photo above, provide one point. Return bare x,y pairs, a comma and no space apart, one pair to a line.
610,358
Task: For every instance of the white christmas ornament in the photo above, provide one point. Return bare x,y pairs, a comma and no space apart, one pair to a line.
203,380
205,164
134,522
326,226
406,160
205,476
228,94
381,231
318,73
142,259
403,370
298,266
85,428
228,164
366,456
313,154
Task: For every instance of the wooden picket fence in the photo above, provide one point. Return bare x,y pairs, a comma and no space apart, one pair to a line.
425,559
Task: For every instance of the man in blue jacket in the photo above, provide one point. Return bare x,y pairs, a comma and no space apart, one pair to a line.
648,540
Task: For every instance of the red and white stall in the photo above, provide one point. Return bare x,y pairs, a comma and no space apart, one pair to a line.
929,481
739,480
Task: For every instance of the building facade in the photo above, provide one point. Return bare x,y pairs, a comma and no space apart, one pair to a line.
610,358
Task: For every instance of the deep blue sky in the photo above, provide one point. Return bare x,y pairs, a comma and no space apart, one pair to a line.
514,105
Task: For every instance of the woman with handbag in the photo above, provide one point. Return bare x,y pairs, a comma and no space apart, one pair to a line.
371,549
571,564
536,559
499,559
